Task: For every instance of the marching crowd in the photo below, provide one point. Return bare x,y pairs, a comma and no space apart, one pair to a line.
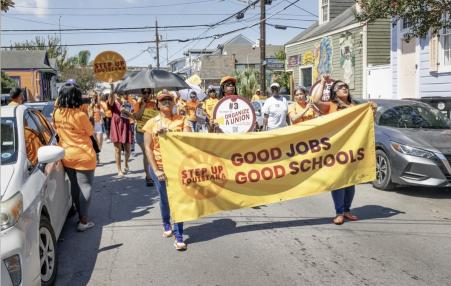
125,121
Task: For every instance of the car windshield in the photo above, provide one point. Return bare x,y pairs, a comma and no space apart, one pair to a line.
8,140
412,116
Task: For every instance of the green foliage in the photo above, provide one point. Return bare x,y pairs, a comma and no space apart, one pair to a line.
423,16
51,44
247,82
6,4
84,76
280,55
282,78
7,83
69,68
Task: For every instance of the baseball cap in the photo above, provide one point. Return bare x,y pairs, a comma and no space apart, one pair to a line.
164,95
275,84
228,78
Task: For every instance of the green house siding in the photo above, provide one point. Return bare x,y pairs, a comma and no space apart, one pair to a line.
338,6
378,41
337,71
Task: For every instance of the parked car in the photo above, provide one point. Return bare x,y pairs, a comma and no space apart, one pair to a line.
441,103
413,145
46,107
34,200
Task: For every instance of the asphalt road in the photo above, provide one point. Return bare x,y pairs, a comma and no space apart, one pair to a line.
402,238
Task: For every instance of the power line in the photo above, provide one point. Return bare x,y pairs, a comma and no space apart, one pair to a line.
110,8
137,14
104,29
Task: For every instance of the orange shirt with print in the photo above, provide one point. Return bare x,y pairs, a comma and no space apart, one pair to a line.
97,112
74,130
106,109
333,107
191,107
175,124
296,108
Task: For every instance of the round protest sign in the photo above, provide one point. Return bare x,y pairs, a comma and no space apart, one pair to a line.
234,114
108,66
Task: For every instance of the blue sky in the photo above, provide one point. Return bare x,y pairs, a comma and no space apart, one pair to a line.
45,14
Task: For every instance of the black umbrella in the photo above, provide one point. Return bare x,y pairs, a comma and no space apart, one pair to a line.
120,87
155,79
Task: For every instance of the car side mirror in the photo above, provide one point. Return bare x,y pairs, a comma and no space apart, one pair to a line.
49,154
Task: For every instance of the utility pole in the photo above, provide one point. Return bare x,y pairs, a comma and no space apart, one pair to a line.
157,41
263,46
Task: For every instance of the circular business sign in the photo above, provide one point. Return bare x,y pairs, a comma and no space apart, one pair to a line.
234,114
108,66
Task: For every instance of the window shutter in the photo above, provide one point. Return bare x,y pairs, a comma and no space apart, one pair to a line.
433,53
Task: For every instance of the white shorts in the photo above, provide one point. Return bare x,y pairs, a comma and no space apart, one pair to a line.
98,128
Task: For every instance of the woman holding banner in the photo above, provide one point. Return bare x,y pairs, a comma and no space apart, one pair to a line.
166,121
340,98
301,110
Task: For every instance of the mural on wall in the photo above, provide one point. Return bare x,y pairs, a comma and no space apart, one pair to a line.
325,56
347,58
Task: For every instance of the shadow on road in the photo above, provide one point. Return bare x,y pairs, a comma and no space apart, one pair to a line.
223,227
113,200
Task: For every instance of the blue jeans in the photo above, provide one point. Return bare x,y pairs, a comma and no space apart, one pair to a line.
343,199
164,208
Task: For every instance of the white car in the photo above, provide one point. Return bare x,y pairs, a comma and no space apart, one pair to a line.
34,200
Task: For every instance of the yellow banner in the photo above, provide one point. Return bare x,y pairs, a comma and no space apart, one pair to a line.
208,173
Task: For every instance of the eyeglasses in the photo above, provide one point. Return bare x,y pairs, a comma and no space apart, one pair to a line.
229,84
146,92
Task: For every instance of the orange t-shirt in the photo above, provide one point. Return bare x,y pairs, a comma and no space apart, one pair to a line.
106,109
85,108
191,107
97,112
175,124
333,107
74,130
297,108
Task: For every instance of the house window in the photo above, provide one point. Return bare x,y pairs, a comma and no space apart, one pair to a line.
324,11
406,24
305,76
445,52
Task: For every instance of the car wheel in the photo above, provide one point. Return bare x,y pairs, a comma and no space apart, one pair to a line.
383,172
47,252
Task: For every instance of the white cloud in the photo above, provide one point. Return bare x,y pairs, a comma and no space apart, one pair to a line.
27,6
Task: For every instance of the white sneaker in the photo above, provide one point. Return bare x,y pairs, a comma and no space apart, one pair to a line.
83,227
108,141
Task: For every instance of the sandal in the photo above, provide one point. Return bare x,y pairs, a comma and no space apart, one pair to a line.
339,219
126,169
167,231
350,217
180,246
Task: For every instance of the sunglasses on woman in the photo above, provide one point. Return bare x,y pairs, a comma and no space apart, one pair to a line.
229,84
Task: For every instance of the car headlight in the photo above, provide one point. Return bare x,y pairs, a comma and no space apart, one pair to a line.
412,151
10,211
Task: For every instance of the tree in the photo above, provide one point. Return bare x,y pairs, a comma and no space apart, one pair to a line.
422,15
247,82
7,83
6,4
84,77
